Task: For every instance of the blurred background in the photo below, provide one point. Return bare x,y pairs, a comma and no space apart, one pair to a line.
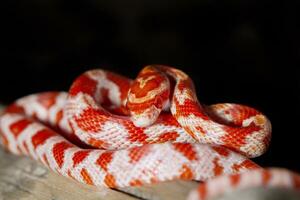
240,51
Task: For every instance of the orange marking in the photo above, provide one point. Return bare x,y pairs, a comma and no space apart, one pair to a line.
154,180
83,84
260,120
168,119
183,84
139,108
235,179
202,191
221,151
187,150
235,137
90,119
136,153
190,131
86,177
246,164
96,143
79,156
110,181
157,101
104,159
58,117
218,169
59,152
266,176
239,113
135,134
17,127
47,99
200,129
136,183
190,106
187,173
169,136
146,83
41,136
14,108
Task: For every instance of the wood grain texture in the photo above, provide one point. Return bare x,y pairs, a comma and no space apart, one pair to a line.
26,179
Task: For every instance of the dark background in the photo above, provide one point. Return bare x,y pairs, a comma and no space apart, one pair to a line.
239,51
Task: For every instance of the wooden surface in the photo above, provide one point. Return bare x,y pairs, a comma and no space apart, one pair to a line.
26,179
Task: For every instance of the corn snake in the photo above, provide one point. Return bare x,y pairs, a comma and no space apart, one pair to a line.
130,133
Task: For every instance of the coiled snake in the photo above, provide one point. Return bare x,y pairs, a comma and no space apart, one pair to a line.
115,132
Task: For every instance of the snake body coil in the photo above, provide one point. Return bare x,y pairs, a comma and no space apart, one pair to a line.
112,131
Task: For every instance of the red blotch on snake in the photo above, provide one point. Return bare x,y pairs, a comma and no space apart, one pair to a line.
104,159
79,156
17,127
59,152
186,149
41,136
